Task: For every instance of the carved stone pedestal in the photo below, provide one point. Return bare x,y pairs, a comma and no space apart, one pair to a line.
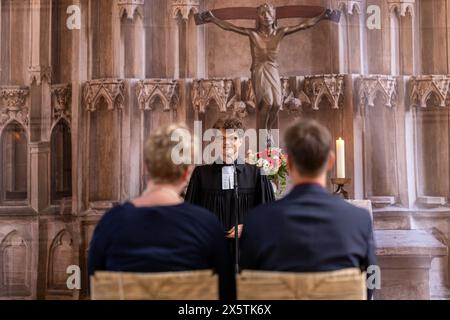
405,257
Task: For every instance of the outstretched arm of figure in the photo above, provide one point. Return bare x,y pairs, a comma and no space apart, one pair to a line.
327,14
209,17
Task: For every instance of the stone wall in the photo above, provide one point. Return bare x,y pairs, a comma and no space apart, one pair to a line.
134,65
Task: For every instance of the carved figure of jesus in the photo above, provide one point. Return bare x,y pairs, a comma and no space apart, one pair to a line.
265,42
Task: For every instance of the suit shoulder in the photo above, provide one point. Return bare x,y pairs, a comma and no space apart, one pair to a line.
359,214
353,208
267,208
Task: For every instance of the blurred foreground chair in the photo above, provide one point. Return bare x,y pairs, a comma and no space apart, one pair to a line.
189,285
345,284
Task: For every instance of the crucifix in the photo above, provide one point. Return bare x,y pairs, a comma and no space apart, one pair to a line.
265,41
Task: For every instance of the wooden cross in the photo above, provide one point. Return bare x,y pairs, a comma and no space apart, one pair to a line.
250,13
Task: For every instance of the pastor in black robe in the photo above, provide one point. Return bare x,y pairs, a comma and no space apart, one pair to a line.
205,190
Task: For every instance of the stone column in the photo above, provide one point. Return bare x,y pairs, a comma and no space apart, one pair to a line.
350,35
132,38
80,63
189,46
430,113
433,35
356,46
40,95
40,73
404,34
383,141
104,36
79,74
378,38
40,175
1,41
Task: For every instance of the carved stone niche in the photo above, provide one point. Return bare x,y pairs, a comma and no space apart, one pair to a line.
381,177
244,103
293,98
430,88
15,265
61,255
87,226
372,85
130,7
183,8
38,74
220,91
61,102
14,106
112,90
330,86
429,98
248,96
166,90
350,6
289,101
104,100
403,7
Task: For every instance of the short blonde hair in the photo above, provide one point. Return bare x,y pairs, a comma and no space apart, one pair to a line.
158,154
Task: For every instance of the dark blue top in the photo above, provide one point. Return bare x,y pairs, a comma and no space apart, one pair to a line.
310,230
160,239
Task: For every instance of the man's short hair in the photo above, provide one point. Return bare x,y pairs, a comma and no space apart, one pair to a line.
230,123
308,145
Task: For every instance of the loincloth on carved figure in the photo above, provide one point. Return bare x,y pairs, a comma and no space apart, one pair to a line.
266,83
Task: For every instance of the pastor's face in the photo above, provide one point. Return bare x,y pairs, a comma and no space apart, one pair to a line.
231,142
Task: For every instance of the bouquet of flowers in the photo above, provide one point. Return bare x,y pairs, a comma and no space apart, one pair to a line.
273,163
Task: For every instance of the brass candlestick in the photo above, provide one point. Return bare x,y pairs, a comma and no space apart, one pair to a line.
341,183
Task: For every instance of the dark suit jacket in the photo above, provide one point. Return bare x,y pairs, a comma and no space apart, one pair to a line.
310,230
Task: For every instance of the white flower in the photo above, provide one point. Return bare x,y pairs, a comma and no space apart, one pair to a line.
260,162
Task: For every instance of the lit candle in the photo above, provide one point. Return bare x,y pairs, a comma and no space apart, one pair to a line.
340,158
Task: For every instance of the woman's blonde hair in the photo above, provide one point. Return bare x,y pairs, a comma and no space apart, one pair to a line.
158,153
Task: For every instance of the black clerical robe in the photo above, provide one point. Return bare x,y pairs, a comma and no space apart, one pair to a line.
206,190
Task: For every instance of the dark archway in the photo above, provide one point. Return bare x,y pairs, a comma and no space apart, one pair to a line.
61,161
